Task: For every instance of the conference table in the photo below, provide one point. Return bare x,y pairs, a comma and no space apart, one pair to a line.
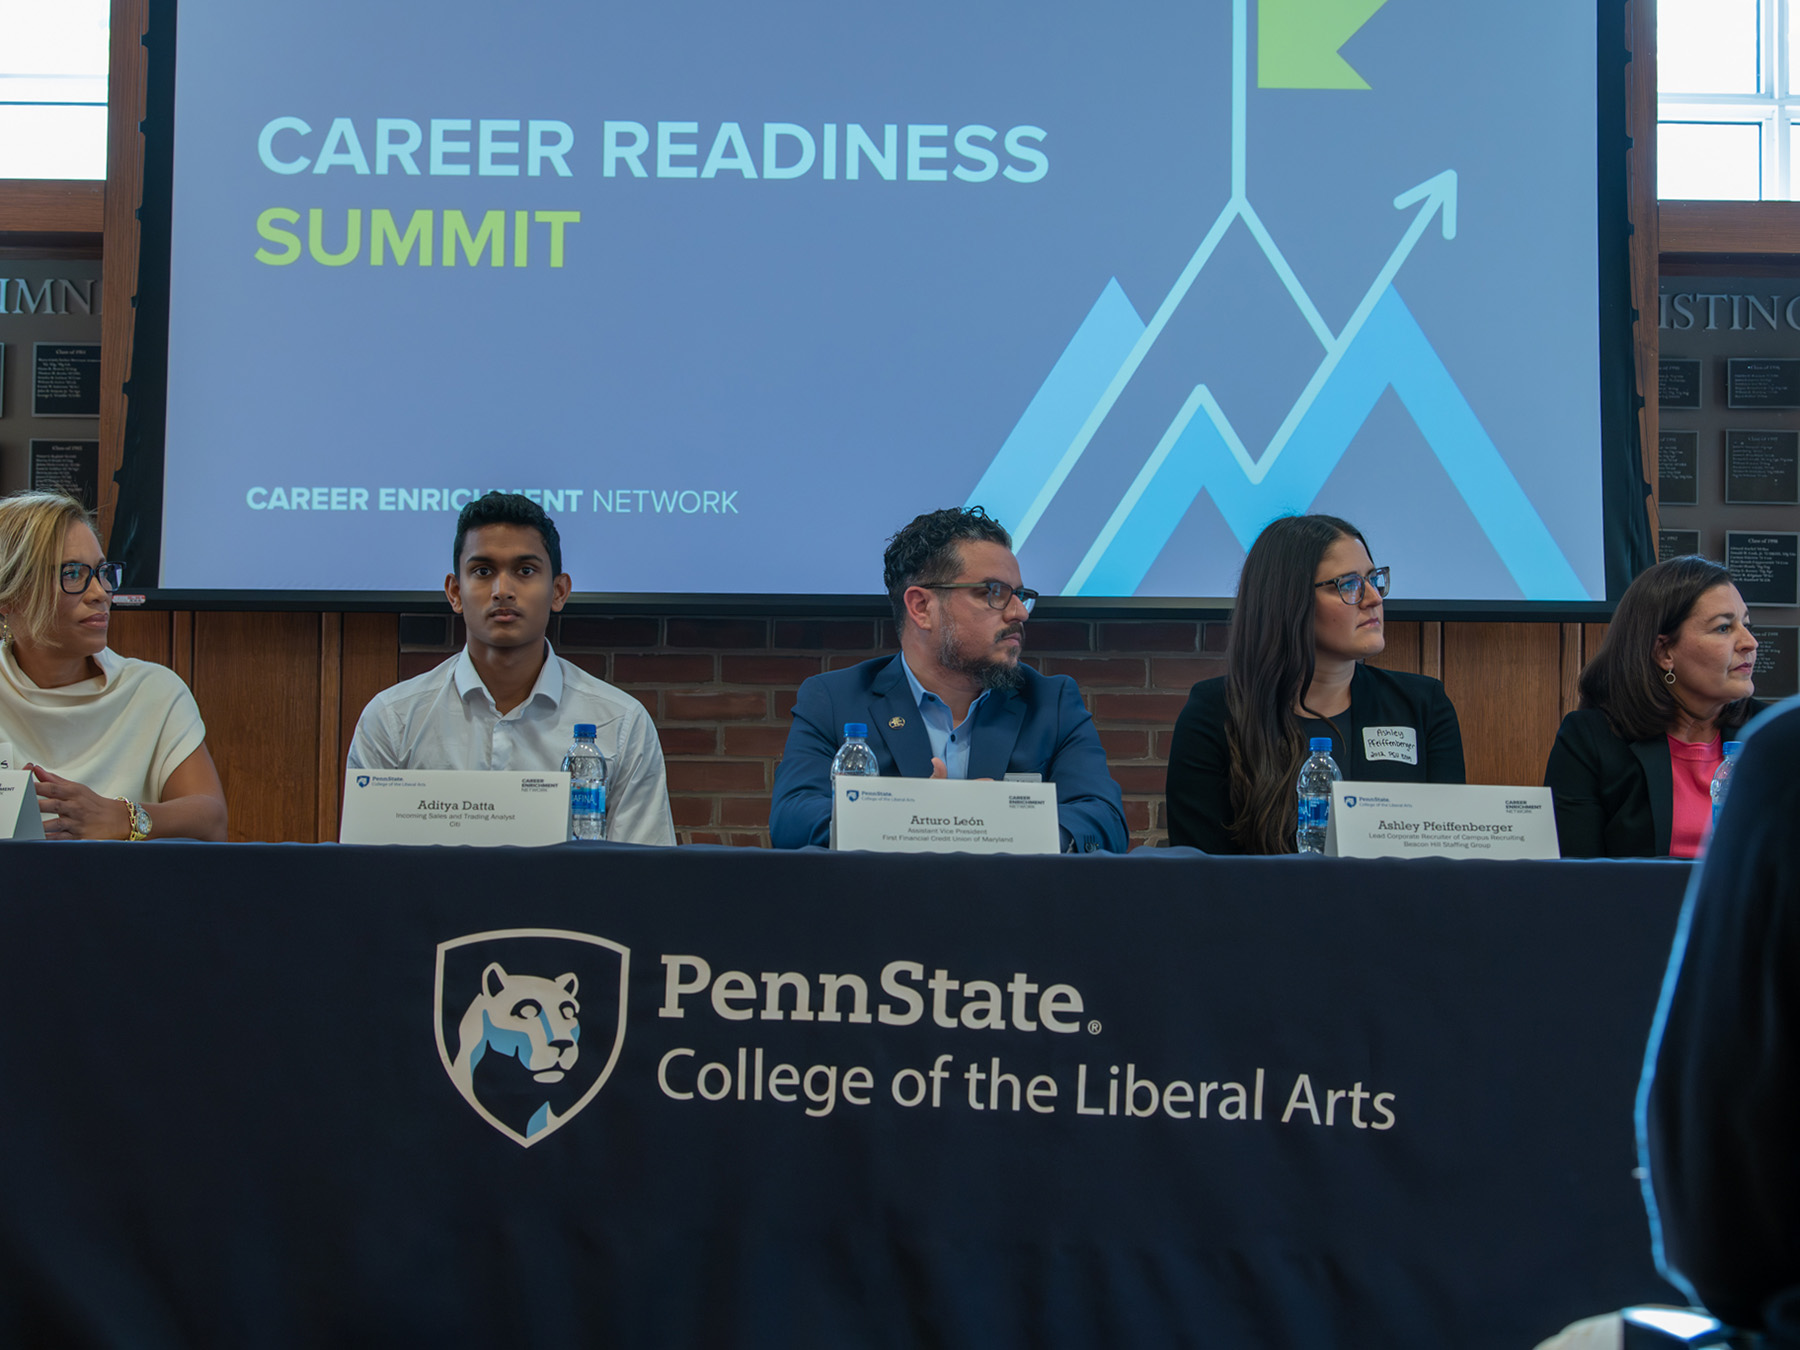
302,1095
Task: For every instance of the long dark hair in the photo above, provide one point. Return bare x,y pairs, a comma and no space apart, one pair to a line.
1269,663
1623,680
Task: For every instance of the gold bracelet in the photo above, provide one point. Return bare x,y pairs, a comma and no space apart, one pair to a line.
140,820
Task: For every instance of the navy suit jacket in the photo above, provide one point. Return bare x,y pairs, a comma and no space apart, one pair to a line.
1041,728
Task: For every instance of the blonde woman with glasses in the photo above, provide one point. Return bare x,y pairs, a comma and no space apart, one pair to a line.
116,745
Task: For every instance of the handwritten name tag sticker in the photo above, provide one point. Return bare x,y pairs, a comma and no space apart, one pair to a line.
1398,744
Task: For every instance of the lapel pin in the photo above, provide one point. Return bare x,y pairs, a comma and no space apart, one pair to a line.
896,721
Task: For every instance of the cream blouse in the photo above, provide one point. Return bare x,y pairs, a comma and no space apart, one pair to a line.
121,734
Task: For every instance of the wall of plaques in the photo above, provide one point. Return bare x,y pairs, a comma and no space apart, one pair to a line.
50,375
1728,480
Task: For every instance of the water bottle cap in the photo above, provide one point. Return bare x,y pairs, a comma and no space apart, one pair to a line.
855,729
1321,745
1732,747
585,731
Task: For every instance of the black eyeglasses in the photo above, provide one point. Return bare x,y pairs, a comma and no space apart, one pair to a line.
999,595
1350,585
75,576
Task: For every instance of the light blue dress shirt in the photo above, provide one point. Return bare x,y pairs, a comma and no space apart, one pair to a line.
949,742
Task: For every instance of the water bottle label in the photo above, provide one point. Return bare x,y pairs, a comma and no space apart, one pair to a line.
1315,813
587,800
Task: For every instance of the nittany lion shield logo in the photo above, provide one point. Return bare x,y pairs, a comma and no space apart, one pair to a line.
530,1022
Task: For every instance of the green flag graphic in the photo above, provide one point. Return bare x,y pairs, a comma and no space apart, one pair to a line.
1297,42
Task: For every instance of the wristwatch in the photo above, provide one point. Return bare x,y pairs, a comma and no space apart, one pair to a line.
140,820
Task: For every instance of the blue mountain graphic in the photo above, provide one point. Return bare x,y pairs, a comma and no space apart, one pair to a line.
1389,350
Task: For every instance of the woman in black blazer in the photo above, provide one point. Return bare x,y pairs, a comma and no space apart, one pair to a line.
1671,683
1308,613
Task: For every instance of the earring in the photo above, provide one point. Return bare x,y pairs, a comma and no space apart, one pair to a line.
1669,675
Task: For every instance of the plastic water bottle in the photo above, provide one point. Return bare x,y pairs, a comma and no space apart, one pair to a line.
1316,777
1722,778
586,768
855,756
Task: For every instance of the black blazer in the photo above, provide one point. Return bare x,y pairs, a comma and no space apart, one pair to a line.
1614,798
1199,782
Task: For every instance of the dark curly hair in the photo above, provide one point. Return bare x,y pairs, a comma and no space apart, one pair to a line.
926,550
507,508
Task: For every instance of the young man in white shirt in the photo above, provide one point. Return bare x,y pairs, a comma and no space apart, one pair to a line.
507,701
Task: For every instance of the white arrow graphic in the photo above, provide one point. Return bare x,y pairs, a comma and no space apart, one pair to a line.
1436,192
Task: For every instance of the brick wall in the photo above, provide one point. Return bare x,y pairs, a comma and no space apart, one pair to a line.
720,691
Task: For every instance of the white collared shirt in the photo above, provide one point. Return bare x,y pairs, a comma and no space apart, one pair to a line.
446,719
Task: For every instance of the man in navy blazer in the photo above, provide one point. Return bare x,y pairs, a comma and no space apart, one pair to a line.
957,702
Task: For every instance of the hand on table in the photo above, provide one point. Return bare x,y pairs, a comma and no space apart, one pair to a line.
939,771
78,812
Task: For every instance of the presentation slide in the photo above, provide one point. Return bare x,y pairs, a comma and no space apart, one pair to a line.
738,290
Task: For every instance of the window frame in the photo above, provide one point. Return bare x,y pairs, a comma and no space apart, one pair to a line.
63,89
1776,110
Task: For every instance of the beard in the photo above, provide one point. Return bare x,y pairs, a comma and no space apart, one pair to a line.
994,672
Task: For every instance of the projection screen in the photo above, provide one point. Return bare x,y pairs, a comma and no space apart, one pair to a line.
735,291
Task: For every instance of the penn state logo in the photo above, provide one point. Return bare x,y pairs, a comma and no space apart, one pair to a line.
1349,800
530,1023
362,780
852,793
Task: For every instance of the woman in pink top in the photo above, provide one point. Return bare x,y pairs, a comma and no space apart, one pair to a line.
1632,768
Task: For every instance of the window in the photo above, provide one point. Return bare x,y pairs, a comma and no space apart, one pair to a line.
53,62
1728,99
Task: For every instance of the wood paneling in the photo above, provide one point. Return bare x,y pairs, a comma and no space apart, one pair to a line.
51,206
1592,635
331,643
1403,648
371,663
1505,680
1730,227
119,267
1572,660
148,637
181,656
256,677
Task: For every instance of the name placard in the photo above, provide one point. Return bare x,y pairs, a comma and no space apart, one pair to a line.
66,466
1762,466
1762,382
19,814
454,806
65,379
945,815
1678,384
1678,468
1669,544
1765,566
1440,820
1777,661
